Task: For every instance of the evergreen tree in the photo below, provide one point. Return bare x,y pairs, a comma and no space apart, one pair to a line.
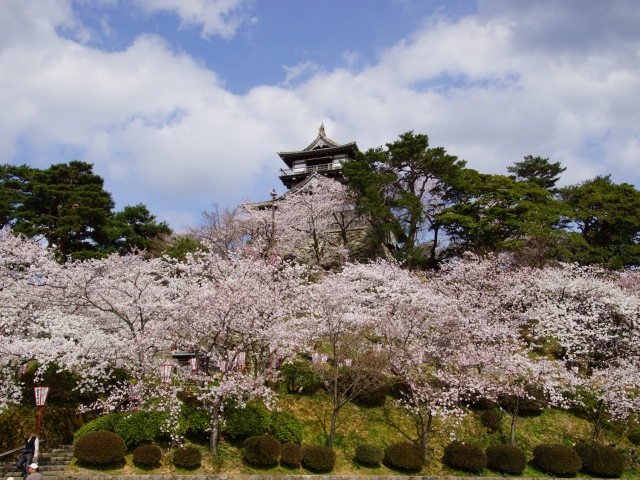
537,170
606,216
67,206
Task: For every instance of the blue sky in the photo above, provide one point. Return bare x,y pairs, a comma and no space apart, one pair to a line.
184,103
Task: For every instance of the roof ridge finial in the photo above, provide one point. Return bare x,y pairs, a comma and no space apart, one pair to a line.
321,130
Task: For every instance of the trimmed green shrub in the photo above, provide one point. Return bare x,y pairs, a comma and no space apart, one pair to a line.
291,455
140,427
600,460
491,420
404,455
106,423
526,406
286,428
188,399
465,456
252,420
262,450
483,403
397,387
147,455
368,454
194,421
506,459
318,459
100,448
298,377
187,457
634,436
557,459
374,397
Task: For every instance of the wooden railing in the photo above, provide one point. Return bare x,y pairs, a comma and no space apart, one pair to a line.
311,169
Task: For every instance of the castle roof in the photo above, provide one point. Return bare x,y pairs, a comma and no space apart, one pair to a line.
322,146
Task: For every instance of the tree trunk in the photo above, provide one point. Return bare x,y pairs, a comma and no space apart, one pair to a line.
426,429
213,439
334,417
432,255
514,420
596,422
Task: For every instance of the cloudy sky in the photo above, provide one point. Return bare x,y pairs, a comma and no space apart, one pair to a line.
183,103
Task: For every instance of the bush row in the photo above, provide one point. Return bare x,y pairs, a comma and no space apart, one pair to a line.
101,447
558,460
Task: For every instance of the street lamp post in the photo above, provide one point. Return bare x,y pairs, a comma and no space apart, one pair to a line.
273,194
133,396
41,398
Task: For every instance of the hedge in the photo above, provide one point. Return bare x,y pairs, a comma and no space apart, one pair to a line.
286,428
140,427
506,459
369,454
291,455
465,456
252,420
491,420
600,460
106,423
100,448
318,459
187,457
557,459
262,450
147,455
404,455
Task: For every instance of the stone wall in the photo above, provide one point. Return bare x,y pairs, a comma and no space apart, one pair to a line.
283,477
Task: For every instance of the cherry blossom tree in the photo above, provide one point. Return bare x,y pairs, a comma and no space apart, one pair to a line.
336,325
232,316
311,219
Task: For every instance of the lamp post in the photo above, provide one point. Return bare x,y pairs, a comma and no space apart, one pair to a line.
41,398
165,375
273,194
133,396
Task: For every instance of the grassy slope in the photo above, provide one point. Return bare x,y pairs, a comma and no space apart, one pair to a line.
385,425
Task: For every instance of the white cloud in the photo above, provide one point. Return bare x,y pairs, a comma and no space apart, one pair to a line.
163,130
217,17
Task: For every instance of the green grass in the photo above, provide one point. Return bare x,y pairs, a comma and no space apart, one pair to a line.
385,425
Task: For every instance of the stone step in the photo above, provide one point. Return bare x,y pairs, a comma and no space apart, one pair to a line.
41,469
48,475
